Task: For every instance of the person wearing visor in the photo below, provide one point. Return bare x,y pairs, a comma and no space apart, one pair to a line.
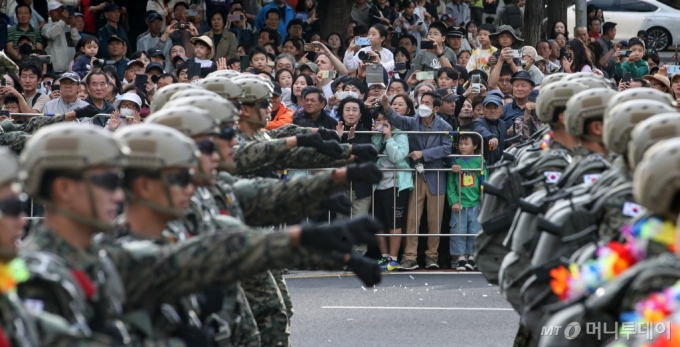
126,111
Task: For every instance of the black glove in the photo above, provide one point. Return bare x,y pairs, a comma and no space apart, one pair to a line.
328,134
365,268
328,147
338,202
309,140
365,152
331,148
87,111
365,172
341,235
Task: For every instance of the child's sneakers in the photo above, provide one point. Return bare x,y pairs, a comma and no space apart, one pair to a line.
470,265
392,265
460,265
383,263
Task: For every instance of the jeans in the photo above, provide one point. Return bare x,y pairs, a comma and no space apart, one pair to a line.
460,245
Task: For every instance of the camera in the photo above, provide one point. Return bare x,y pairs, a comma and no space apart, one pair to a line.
45,59
98,63
364,56
182,25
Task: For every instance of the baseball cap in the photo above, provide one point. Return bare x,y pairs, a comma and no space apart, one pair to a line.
110,7
155,52
447,94
116,38
128,97
492,99
446,17
154,66
53,5
70,75
153,16
178,58
456,32
277,89
134,62
311,66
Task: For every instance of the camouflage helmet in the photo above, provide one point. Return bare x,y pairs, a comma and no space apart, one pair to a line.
656,182
9,170
619,123
639,94
256,77
575,75
650,131
223,86
556,77
224,73
154,147
584,106
194,92
253,89
221,109
67,147
163,95
593,82
189,120
554,96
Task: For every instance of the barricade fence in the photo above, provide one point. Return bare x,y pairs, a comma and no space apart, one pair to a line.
418,174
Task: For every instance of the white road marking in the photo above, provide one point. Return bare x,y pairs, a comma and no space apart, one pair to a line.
417,308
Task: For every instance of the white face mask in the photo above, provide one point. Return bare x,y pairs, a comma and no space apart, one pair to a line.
126,112
424,111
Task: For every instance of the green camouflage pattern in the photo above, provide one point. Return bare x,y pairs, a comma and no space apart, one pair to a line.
18,326
612,214
38,122
15,140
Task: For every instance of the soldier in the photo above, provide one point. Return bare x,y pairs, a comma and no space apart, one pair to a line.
75,172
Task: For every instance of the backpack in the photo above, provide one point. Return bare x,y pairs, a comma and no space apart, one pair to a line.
512,16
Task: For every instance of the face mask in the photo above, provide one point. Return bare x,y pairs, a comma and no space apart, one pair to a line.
127,112
424,111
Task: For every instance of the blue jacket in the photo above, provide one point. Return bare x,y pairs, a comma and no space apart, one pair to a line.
283,24
491,130
435,148
82,66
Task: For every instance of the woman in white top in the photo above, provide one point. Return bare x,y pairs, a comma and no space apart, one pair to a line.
128,106
377,35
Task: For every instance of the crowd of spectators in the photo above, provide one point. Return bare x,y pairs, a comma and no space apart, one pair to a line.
414,65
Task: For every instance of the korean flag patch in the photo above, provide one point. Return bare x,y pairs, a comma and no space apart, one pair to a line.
631,209
551,177
590,179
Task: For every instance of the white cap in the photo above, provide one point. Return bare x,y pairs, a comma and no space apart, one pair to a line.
53,5
129,97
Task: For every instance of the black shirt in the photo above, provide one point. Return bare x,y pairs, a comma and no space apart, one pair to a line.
324,120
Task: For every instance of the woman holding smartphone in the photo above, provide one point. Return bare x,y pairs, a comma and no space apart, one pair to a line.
375,52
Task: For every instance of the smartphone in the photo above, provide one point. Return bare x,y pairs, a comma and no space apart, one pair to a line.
362,41
55,88
245,62
310,47
45,59
327,73
470,36
673,70
235,17
517,53
140,82
419,23
194,70
476,81
625,53
3,82
399,66
192,13
425,75
426,44
626,77
374,73
4,113
568,56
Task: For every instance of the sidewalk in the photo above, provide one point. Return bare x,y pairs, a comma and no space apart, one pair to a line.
325,273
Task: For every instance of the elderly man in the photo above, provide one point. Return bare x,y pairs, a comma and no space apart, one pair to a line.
55,32
68,103
97,86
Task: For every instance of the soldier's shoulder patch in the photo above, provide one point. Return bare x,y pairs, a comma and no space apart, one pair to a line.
551,177
590,179
631,209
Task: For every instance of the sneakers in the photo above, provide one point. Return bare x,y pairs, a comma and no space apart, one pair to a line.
407,264
430,263
461,265
470,265
392,265
383,263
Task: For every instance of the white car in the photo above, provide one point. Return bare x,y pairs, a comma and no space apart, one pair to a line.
660,18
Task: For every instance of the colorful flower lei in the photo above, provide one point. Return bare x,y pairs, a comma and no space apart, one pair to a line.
11,274
546,140
612,259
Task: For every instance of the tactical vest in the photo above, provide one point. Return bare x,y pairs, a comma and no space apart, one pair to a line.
18,325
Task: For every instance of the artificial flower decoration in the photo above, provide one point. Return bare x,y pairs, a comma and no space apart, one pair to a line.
11,274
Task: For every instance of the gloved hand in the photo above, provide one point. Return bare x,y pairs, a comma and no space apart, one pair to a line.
309,140
341,235
338,202
331,148
365,172
366,269
365,152
327,147
87,111
328,134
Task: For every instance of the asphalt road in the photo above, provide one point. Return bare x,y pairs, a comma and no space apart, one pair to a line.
409,309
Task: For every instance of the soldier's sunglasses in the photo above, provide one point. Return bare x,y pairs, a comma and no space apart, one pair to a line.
109,181
12,207
207,147
227,133
180,179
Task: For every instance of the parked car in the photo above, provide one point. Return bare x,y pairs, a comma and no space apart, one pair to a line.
660,18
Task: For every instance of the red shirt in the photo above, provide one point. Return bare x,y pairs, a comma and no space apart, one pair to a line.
88,17
594,35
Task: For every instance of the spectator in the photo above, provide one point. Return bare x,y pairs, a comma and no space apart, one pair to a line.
294,29
381,13
580,33
637,66
239,26
68,101
335,44
225,41
112,28
30,75
559,28
177,51
439,56
544,50
594,29
360,13
165,80
660,83
97,88
455,40
156,56
480,56
377,35
5,23
198,20
447,111
37,21
162,7
300,82
410,23
116,52
134,67
89,45
281,115
314,115
403,105
304,9
392,193
402,55
608,60
397,87
127,106
151,39
465,181
177,34
181,73
12,92
522,85
282,7
580,59
428,152
284,61
460,12
529,55
55,33
23,28
510,15
492,129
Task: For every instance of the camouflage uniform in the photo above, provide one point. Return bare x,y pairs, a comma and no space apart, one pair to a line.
614,215
15,319
38,122
17,137
150,275
15,140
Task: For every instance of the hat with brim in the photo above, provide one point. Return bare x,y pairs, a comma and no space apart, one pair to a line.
447,94
309,65
69,75
53,5
206,40
178,58
522,75
110,7
506,29
134,62
661,79
129,97
116,38
492,99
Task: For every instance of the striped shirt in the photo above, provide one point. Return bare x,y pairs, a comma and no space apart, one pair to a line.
14,33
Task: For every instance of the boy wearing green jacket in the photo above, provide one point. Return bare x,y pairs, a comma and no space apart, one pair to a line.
464,195
637,66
